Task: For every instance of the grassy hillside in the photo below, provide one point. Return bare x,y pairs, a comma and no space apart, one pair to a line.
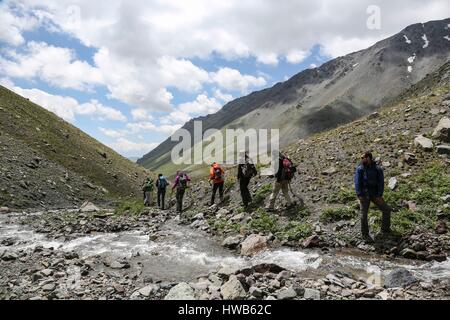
36,139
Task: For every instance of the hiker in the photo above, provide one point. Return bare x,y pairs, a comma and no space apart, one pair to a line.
284,175
246,171
181,184
369,186
147,188
216,175
161,185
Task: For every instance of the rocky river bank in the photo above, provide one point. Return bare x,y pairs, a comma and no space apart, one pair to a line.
96,254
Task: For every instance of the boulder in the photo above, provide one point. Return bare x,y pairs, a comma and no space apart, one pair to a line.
392,183
424,143
443,149
399,278
311,294
256,292
4,210
148,290
441,227
181,291
330,171
232,242
253,245
442,131
409,158
311,242
408,253
286,294
88,207
233,289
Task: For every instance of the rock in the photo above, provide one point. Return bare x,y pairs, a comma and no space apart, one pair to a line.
286,294
88,207
233,289
181,291
4,210
311,242
441,227
446,198
199,216
118,288
9,256
148,290
232,242
311,294
443,149
442,131
393,183
424,143
117,264
253,244
383,295
408,253
223,212
49,287
330,171
409,158
374,115
256,292
399,278
227,270
238,217
47,272
346,293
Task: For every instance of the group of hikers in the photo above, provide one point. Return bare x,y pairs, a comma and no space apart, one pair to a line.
368,179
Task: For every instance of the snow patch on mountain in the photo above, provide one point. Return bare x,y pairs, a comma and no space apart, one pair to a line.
427,43
407,40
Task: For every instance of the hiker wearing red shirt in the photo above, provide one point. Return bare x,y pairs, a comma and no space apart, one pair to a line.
216,175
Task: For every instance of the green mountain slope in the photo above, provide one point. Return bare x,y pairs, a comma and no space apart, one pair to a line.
46,161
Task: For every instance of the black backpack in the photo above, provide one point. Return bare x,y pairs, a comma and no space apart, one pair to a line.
217,174
248,170
182,181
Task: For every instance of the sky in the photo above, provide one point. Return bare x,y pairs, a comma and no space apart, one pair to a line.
130,73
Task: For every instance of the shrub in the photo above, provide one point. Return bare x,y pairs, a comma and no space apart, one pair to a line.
262,193
264,222
338,214
295,231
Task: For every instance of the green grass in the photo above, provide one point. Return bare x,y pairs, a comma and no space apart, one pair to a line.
262,193
337,214
131,207
264,222
295,231
343,196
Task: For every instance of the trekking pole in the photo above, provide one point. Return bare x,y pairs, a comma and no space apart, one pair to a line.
295,195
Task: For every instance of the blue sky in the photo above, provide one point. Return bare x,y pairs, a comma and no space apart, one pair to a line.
130,74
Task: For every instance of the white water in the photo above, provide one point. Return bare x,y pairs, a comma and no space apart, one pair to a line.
183,254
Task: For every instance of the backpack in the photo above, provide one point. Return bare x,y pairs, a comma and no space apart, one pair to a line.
218,173
148,185
162,183
248,170
182,181
288,170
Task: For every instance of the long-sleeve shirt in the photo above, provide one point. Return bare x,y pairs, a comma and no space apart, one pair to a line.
369,181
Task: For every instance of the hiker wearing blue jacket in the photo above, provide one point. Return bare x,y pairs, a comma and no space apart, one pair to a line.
369,187
161,184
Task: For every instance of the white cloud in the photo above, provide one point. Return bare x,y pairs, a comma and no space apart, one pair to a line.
13,23
224,97
141,115
201,105
233,80
137,127
113,133
66,107
297,56
56,66
123,145
268,58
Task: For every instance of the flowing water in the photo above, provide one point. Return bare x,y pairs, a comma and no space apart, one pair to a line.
182,254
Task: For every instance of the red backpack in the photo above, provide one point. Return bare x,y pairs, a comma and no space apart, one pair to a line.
288,170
